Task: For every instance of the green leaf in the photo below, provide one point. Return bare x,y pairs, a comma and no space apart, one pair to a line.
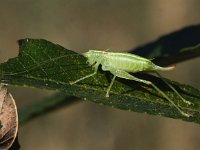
42,64
174,47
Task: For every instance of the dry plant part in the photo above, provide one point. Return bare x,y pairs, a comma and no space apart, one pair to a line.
8,119
122,64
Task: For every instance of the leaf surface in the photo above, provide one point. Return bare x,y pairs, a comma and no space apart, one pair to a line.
42,64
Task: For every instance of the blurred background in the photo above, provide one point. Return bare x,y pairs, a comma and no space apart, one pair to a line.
100,24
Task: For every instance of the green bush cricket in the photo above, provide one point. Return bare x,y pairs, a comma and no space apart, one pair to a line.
121,64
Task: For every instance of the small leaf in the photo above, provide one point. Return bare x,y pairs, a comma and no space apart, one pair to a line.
43,64
8,118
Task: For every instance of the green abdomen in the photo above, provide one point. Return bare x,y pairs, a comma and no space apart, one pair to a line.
128,62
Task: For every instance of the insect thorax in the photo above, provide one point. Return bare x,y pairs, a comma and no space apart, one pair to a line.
94,56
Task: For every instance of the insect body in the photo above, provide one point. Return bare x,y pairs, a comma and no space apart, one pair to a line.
122,64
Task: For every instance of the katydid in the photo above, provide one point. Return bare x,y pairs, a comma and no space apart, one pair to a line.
122,64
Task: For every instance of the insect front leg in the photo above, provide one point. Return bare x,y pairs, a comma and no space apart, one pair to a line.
87,76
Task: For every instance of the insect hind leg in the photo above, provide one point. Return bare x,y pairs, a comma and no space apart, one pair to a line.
165,81
126,75
163,94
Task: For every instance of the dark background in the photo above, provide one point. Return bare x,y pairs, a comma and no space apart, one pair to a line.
100,24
